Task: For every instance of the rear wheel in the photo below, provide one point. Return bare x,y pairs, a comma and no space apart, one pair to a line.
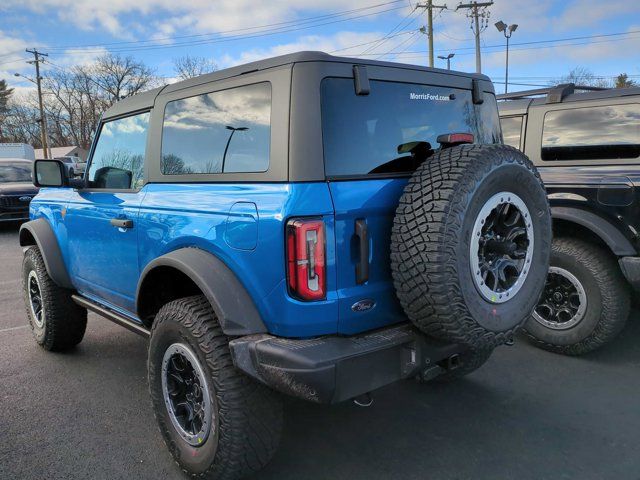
585,303
470,244
216,422
57,322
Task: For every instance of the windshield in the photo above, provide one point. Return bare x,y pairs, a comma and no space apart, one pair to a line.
15,172
396,126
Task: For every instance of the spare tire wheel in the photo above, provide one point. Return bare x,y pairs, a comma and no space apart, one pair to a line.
470,244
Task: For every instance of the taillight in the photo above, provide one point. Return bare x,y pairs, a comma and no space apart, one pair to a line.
306,267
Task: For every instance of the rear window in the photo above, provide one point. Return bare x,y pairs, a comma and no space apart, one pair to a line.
586,133
377,133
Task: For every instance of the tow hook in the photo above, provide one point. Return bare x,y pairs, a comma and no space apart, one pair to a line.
510,341
364,400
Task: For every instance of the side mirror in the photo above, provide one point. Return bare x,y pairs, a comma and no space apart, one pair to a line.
53,173
49,173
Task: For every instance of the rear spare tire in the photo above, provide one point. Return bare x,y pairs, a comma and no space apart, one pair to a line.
470,244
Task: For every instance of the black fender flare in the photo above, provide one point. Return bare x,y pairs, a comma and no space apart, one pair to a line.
39,233
605,230
233,305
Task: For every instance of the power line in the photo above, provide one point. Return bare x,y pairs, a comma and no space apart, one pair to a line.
381,55
536,43
415,39
372,41
230,38
406,20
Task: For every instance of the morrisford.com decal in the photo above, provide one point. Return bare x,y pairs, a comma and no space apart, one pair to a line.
429,96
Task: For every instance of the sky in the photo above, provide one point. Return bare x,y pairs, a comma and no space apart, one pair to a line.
553,36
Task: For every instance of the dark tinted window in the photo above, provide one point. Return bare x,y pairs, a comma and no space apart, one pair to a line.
226,131
511,130
362,134
118,158
592,133
15,172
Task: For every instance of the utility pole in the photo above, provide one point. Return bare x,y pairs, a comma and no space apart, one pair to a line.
479,21
43,123
429,6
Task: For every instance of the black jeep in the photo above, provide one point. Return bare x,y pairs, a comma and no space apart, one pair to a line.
586,146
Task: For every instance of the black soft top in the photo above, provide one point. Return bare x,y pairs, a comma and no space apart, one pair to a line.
146,100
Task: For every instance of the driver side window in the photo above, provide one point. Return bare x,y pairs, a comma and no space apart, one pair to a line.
118,158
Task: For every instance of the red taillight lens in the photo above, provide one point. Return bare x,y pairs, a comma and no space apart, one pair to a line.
306,267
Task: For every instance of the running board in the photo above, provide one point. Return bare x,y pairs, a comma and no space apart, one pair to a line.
112,315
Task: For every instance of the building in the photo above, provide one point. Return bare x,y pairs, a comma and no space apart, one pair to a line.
72,151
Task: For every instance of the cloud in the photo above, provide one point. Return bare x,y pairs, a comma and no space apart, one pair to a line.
342,44
113,16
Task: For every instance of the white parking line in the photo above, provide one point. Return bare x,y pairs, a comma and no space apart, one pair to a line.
10,329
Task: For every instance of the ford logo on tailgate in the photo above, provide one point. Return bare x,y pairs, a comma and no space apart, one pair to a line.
363,305
26,198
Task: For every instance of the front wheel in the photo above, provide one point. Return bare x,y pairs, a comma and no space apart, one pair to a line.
585,302
57,322
216,422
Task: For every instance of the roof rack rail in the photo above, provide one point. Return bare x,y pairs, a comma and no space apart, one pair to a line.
555,94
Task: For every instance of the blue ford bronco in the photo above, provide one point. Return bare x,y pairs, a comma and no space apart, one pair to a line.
309,225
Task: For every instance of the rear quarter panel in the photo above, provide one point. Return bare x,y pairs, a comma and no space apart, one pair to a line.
174,216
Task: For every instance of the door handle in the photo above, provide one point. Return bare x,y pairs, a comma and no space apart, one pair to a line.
122,222
362,267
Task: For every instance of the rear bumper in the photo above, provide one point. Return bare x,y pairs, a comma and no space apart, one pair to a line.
332,369
630,267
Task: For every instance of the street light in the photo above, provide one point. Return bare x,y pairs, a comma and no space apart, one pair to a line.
507,30
233,130
448,59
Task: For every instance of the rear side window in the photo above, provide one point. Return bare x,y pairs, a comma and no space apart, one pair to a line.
118,158
221,132
592,133
377,133
511,130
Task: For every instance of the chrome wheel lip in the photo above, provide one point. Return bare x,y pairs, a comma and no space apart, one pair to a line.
199,438
36,306
492,203
582,308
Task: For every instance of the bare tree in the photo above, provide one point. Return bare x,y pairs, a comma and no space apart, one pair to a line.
119,77
75,98
582,76
189,67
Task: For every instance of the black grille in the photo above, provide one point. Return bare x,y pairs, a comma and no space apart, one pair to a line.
14,202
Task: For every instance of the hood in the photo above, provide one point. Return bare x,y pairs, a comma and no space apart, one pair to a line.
18,188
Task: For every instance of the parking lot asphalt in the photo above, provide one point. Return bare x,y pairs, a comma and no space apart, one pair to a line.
527,414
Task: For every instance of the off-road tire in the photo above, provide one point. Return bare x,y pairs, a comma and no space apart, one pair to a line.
64,321
607,294
431,239
247,416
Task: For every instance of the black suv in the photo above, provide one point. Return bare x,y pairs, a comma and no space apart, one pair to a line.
586,146
16,189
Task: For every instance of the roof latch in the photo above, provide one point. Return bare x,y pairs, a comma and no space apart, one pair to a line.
361,80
